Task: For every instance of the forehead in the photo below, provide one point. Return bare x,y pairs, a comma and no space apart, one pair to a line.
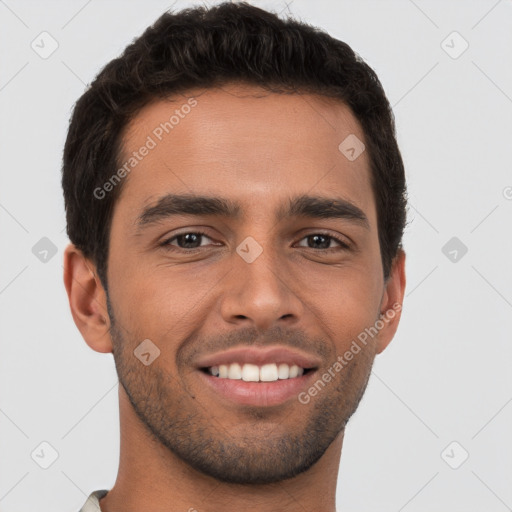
243,142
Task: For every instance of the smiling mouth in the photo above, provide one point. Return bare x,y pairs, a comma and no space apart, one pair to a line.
271,372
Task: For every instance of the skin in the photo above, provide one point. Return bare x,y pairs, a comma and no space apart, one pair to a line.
182,446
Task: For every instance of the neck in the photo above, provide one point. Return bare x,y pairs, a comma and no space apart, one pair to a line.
153,479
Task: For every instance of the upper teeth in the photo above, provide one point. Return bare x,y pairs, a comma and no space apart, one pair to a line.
253,373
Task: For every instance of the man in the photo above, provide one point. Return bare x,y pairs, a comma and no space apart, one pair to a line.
235,200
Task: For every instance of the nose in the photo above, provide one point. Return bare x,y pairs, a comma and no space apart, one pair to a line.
260,294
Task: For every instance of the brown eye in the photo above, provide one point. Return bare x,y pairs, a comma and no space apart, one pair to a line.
322,241
189,240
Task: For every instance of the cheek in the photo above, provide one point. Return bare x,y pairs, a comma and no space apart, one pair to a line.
345,304
163,301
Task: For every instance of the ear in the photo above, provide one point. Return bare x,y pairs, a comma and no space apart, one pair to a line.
87,300
391,303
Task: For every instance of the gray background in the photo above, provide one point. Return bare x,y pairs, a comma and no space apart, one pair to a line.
446,376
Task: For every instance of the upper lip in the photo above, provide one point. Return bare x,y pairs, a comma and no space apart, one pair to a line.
260,356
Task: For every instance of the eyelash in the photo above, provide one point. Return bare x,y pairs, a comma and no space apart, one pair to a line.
166,243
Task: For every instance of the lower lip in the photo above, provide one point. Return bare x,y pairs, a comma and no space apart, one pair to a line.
260,394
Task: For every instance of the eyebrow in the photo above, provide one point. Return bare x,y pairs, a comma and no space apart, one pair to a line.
300,206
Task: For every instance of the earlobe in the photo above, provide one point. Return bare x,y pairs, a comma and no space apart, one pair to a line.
392,299
87,300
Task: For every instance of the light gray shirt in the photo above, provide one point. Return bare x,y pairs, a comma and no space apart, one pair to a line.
93,501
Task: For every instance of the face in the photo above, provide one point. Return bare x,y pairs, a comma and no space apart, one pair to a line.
244,242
